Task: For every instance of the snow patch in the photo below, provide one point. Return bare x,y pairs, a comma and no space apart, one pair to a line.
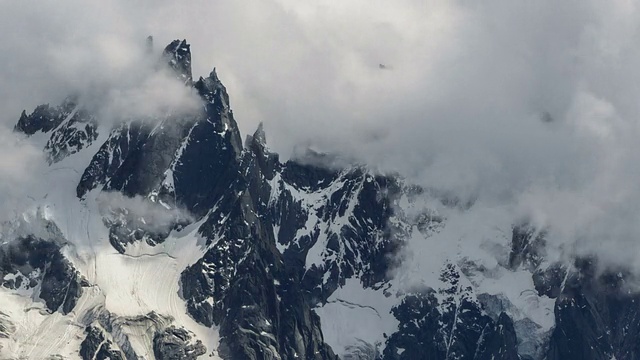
355,314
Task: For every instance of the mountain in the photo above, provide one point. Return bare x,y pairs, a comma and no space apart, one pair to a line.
168,237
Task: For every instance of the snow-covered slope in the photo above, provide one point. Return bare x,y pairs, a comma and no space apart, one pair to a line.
125,302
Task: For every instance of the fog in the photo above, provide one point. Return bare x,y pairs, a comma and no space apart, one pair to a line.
530,106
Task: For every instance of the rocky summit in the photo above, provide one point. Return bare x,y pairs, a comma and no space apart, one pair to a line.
168,237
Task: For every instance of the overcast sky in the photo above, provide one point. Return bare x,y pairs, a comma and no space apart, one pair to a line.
531,104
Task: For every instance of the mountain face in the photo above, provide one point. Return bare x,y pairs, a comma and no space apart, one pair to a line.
170,238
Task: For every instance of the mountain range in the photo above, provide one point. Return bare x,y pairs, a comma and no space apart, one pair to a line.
169,237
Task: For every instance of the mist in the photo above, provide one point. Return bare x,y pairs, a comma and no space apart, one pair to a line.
153,217
527,107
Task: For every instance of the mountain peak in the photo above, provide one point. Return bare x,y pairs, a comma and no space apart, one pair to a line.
212,82
178,56
258,137
149,44
224,251
211,88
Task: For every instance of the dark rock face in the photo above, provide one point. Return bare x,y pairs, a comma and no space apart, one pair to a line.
449,324
178,56
7,327
177,158
97,347
209,162
549,281
242,283
30,262
72,128
498,341
527,247
133,160
185,161
78,132
45,117
174,344
112,158
61,286
597,316
351,219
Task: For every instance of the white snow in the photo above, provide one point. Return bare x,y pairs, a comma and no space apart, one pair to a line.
39,334
354,314
144,280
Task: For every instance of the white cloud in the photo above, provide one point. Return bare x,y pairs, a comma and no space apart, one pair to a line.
460,106
17,164
149,215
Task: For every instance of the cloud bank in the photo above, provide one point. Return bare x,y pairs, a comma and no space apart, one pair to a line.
531,106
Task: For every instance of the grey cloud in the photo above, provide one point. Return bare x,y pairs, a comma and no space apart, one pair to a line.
459,108
17,166
53,50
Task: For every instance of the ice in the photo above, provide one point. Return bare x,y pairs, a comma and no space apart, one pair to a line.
39,334
355,314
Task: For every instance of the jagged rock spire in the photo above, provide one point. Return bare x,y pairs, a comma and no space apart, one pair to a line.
209,87
178,56
257,145
149,48
258,138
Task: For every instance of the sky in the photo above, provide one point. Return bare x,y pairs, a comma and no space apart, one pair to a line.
530,105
